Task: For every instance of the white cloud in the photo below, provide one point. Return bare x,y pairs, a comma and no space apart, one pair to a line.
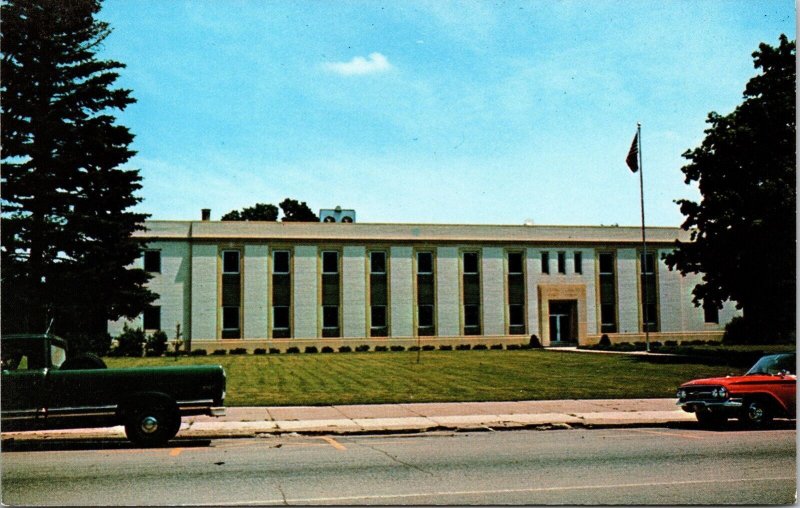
359,65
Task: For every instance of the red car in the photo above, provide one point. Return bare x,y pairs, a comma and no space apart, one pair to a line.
766,391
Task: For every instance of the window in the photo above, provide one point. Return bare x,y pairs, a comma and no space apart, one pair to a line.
516,316
280,317
152,261
710,313
377,262
608,293
514,262
424,262
280,261
545,262
426,294
649,291
470,262
472,319
578,258
378,295
562,262
330,262
151,318
230,318
330,316
230,261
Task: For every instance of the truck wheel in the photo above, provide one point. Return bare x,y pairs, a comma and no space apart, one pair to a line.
84,361
756,413
710,419
152,424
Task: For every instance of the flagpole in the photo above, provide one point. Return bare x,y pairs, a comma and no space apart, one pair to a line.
644,240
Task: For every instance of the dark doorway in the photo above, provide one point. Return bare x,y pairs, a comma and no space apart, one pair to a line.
563,322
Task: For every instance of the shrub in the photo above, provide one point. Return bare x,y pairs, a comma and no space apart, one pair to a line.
130,342
738,331
97,343
293,350
535,342
463,347
397,348
512,347
479,346
198,352
219,352
259,351
496,346
274,351
362,348
655,345
414,348
428,347
327,349
604,341
525,346
671,343
156,344
345,349
445,347
381,348
238,351
311,349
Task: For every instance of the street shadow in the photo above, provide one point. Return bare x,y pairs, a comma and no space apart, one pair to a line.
735,426
11,445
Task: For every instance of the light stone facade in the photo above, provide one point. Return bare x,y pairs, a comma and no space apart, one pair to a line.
189,283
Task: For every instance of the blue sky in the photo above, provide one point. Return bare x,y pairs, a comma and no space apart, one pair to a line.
429,111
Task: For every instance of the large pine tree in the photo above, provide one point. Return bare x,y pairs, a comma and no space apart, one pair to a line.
66,219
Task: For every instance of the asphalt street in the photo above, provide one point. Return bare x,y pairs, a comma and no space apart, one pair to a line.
579,466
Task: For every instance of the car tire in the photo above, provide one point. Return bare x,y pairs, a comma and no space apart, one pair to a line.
152,424
83,361
756,413
710,419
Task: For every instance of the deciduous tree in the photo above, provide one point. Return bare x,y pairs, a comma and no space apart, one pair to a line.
743,229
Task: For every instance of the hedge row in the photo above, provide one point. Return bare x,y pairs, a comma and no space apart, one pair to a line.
360,348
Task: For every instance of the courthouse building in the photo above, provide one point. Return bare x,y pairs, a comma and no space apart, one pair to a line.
276,285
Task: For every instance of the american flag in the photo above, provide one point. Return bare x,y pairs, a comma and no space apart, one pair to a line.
633,154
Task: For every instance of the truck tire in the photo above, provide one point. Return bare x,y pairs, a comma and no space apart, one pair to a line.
83,361
152,423
756,413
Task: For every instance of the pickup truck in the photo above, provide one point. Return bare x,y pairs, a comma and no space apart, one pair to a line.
42,388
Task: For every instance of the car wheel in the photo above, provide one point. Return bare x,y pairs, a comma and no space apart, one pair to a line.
710,419
152,424
756,413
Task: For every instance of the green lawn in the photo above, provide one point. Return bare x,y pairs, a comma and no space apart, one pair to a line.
452,376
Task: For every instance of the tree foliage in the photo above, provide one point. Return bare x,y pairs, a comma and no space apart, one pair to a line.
743,229
293,211
66,219
260,211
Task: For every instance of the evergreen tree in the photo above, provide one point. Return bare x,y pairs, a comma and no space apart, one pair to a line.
743,229
66,221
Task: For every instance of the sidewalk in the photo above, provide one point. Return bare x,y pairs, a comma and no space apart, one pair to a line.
409,418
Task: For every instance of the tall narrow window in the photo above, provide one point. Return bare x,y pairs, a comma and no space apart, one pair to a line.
545,262
562,262
151,318
471,293
578,261
231,294
152,261
608,293
710,313
516,294
281,294
330,294
378,295
426,291
649,292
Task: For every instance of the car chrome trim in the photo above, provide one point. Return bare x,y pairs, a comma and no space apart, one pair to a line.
217,411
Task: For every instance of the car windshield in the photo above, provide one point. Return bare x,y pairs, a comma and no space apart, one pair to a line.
774,365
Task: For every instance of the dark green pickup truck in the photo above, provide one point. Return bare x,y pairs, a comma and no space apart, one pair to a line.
44,389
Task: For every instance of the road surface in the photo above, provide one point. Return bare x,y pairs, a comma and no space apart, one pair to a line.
611,466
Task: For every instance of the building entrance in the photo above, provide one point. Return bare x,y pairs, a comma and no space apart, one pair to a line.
563,321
